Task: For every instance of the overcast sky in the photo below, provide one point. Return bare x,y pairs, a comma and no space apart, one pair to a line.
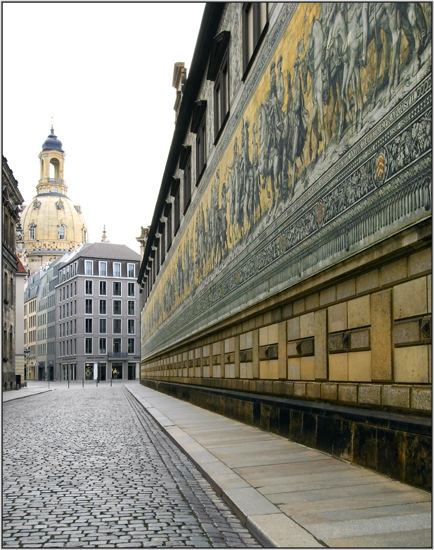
103,71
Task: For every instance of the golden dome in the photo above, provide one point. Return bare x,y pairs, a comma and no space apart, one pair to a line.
52,223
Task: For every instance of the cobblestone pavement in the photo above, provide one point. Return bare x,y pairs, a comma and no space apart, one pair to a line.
89,468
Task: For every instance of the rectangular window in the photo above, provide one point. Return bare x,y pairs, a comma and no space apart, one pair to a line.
88,306
117,307
187,183
116,269
201,148
255,18
103,326
88,326
130,345
88,345
102,288
169,226
131,270
75,288
117,326
177,211
117,347
103,307
88,287
131,326
117,290
103,269
130,307
131,289
103,345
221,97
88,267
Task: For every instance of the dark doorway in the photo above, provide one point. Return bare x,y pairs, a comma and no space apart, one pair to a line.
41,373
102,371
117,371
131,371
88,371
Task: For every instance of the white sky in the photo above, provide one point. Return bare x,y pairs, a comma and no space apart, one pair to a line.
103,71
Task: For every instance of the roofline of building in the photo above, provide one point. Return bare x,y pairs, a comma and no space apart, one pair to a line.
208,28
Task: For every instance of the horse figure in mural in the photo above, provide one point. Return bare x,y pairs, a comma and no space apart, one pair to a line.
313,64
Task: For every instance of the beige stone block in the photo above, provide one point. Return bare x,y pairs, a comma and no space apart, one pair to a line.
411,364
293,328
282,359
410,298
294,368
359,366
421,398
229,370
359,312
197,372
307,325
327,296
420,262
205,351
255,353
246,340
313,390
268,370
407,332
337,317
367,281
263,336
185,355
307,368
298,306
273,333
329,391
393,272
217,371
197,353
396,396
287,311
299,389
321,354
381,335
359,339
229,345
429,293
346,289
312,301
338,366
206,372
245,370
216,348
347,393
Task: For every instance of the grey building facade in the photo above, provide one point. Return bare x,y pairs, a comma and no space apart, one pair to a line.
98,314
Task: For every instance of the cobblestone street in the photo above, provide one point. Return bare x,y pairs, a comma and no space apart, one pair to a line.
87,467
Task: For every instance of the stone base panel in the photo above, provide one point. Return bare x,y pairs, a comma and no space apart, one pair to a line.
358,333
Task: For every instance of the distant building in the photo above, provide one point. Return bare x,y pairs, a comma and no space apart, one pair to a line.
11,201
20,279
97,314
50,224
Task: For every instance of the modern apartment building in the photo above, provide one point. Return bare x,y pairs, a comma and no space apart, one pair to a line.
97,314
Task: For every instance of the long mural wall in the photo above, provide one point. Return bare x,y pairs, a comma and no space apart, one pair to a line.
327,151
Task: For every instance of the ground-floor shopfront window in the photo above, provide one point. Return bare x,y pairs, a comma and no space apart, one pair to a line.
117,371
88,371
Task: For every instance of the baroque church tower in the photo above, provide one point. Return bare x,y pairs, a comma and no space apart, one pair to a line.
51,224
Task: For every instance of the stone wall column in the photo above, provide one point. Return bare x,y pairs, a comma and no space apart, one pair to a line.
381,336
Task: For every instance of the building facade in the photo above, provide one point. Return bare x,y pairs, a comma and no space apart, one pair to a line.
11,202
98,314
289,255
20,280
50,224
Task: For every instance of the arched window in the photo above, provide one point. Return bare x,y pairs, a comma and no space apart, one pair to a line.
32,231
61,231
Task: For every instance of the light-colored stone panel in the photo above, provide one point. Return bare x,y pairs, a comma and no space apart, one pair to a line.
246,340
273,333
421,398
245,370
312,301
230,370
294,365
381,335
347,393
329,391
327,296
420,262
410,298
359,312
307,325
321,354
411,364
337,317
307,368
229,345
293,328
299,389
313,390
346,289
367,281
298,306
282,360
393,272
338,366
268,370
359,366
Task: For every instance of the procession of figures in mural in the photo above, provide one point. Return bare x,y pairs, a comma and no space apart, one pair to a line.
348,64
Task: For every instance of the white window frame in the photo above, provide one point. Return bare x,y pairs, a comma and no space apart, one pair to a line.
113,326
113,307
85,289
134,270
128,326
115,264
91,345
88,263
100,271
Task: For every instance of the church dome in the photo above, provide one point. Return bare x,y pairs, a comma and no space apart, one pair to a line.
52,143
52,224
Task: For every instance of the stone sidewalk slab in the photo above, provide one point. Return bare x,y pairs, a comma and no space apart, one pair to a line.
290,495
24,392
